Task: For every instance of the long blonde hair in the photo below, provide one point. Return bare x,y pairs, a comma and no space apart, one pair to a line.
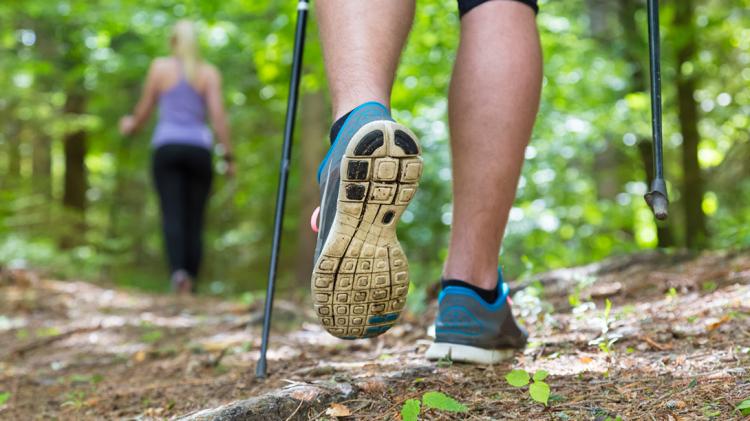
184,43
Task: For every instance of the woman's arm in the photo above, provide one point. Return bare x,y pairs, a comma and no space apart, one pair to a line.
218,116
132,123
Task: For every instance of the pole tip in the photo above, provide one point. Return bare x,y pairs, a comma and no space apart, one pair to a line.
659,204
657,199
260,369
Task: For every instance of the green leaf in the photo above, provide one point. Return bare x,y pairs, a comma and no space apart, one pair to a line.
743,407
540,375
4,396
517,378
152,336
607,309
539,391
443,402
410,410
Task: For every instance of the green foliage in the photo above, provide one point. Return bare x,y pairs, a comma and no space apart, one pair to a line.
75,399
431,400
442,402
410,410
709,286
607,339
540,375
538,390
517,378
743,407
152,336
4,397
85,378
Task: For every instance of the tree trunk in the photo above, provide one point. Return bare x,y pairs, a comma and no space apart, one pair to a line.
314,126
75,185
696,234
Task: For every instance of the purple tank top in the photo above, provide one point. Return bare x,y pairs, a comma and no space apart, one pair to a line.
182,118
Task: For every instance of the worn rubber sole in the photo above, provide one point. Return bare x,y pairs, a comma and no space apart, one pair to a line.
361,278
468,354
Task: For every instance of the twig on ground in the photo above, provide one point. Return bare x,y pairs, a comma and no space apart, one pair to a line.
295,411
655,344
19,351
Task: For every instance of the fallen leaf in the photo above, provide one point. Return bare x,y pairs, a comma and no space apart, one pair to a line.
139,356
338,410
713,326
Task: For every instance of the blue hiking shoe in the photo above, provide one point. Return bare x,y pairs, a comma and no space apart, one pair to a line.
369,176
470,330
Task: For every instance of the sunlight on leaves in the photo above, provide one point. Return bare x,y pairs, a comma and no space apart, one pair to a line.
517,378
744,407
539,391
540,375
410,410
443,402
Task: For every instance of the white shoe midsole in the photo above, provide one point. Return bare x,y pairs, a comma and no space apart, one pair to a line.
467,354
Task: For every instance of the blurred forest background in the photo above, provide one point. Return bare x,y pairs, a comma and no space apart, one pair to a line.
76,198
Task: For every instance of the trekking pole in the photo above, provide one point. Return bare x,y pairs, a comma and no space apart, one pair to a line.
657,197
291,112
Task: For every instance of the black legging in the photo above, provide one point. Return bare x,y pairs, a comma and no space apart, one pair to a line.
182,174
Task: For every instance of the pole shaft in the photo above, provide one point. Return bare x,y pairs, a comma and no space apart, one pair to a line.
655,68
291,113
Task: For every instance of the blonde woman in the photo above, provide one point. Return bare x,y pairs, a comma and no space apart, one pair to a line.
188,91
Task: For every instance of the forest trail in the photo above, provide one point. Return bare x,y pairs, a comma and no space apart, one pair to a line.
681,350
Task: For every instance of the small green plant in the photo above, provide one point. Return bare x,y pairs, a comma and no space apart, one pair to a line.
710,410
47,332
744,407
4,397
709,286
152,336
430,400
538,390
75,399
85,378
445,362
606,340
410,410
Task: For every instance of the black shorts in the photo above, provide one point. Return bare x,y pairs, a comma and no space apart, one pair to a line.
466,5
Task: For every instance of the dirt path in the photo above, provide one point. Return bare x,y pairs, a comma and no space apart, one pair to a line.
681,350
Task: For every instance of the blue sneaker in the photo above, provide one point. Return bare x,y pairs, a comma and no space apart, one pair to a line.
468,329
368,177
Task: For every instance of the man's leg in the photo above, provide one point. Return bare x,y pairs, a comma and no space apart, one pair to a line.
362,43
493,102
360,279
